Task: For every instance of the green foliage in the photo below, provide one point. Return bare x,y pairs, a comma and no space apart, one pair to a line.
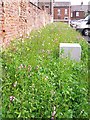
36,82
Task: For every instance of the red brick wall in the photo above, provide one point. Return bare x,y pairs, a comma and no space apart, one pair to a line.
1,22
18,18
81,15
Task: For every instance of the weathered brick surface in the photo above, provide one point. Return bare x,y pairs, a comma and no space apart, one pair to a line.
1,22
19,17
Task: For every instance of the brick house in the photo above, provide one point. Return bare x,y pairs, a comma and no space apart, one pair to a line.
62,11
79,11
46,4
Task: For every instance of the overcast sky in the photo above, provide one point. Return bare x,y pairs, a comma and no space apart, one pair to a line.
76,2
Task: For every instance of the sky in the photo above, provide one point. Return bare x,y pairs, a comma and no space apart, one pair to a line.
76,2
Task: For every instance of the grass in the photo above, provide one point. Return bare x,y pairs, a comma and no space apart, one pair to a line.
36,83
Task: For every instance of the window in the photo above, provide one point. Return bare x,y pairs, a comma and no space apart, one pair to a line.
71,14
77,14
59,12
66,12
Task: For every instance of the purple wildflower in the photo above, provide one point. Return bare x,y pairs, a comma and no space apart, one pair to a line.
12,98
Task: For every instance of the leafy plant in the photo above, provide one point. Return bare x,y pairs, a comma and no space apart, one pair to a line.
36,83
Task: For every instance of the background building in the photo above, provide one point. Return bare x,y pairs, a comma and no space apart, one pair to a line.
62,11
46,4
79,11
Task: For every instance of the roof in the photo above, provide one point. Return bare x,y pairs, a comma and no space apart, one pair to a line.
60,4
80,8
45,1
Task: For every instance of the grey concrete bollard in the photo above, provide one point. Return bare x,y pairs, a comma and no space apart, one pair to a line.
71,50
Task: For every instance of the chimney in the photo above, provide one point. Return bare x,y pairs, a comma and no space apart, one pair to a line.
82,3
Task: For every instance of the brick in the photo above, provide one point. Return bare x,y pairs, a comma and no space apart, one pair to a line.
20,18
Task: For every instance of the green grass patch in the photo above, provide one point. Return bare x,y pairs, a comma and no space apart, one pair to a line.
36,83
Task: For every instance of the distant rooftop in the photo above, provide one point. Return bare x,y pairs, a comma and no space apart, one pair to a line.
80,7
56,4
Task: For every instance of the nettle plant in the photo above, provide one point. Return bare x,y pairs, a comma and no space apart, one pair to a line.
36,83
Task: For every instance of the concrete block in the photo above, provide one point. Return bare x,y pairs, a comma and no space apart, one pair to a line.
71,50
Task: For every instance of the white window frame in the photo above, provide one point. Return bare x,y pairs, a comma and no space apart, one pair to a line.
59,11
77,14
66,11
71,14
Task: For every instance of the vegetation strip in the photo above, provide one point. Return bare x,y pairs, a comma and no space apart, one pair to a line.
36,83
